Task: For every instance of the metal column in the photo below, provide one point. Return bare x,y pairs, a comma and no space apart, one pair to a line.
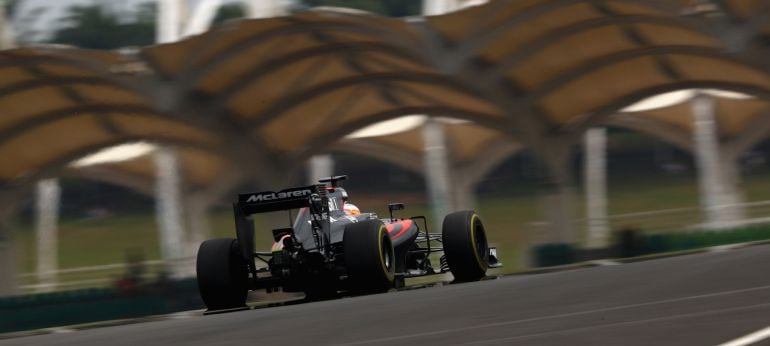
436,7
6,33
8,270
202,17
436,168
167,184
47,233
169,213
169,24
320,166
595,176
712,189
265,8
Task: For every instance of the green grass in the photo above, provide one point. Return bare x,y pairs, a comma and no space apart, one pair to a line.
694,240
506,216
95,242
662,192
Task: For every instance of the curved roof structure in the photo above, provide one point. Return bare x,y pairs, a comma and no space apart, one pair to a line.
754,15
55,108
745,121
320,74
580,61
468,145
300,81
289,87
199,169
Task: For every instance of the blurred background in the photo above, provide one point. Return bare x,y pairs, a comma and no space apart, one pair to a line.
579,131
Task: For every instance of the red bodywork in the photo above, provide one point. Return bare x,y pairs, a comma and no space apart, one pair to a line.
400,228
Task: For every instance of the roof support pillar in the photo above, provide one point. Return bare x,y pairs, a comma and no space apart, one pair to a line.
717,180
198,223
6,33
320,166
436,168
734,196
169,212
558,211
467,176
558,194
436,7
48,195
10,201
169,22
202,16
595,176
463,192
264,8
8,269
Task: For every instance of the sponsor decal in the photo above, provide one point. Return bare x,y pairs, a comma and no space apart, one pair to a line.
321,217
273,196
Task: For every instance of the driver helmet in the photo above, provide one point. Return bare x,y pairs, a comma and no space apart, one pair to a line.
351,209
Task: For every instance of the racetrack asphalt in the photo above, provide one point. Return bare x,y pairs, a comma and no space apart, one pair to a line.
701,299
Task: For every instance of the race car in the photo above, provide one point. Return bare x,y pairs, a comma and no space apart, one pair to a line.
328,251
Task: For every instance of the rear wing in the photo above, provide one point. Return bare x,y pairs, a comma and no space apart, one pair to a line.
267,201
264,202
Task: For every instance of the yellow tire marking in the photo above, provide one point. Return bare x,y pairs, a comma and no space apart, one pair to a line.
382,258
473,241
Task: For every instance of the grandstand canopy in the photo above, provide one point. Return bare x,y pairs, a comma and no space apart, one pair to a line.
739,120
290,87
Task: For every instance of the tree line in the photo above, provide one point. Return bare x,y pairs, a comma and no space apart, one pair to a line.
97,26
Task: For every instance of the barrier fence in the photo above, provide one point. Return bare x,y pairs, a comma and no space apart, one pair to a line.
111,275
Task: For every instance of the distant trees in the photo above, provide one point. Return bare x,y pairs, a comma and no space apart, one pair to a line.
229,11
10,6
99,27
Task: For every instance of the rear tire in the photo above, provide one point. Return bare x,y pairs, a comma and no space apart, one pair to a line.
369,256
465,246
222,274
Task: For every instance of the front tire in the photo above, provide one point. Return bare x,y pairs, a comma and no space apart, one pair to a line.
222,274
465,246
369,256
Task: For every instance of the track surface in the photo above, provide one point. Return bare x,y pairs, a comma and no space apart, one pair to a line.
703,299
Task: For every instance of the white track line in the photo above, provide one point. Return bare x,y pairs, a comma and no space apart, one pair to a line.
749,339
618,324
543,318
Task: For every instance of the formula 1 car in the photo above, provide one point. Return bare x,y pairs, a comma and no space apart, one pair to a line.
326,251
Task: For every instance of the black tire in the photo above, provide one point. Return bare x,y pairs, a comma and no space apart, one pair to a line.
465,246
369,256
222,274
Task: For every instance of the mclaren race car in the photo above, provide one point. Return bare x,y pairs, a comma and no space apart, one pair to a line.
328,251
